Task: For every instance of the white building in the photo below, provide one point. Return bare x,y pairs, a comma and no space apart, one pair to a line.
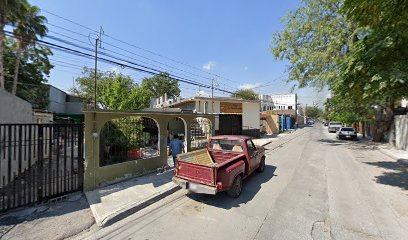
163,101
284,102
266,102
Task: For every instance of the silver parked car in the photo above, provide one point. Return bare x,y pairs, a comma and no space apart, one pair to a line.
334,126
346,132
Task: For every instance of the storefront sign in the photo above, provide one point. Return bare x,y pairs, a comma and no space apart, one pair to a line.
231,107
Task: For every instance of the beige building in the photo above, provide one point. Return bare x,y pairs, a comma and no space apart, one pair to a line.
233,115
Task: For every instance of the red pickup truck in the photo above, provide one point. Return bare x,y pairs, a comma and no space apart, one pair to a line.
222,166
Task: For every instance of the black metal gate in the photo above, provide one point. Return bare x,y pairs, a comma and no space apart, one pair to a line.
39,162
230,124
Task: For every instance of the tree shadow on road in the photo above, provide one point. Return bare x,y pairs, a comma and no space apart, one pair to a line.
330,142
250,188
398,177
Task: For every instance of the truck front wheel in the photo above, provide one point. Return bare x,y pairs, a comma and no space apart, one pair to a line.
261,167
236,187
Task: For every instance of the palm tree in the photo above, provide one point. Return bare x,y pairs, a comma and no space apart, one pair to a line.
8,9
29,24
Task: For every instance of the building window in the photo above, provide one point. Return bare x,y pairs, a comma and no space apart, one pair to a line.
289,107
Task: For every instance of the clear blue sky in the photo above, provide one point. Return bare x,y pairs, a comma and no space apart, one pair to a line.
229,38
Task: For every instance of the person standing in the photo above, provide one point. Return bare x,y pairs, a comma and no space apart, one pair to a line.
176,147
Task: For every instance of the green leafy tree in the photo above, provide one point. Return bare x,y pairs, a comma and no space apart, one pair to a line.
33,72
117,91
247,94
313,112
357,48
376,62
160,84
8,11
314,39
114,90
29,24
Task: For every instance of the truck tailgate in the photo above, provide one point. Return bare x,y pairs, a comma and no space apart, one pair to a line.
196,166
196,173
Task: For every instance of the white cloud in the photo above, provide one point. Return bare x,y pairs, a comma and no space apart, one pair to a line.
250,85
246,68
210,65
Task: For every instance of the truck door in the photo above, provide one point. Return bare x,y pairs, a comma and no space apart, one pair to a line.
253,154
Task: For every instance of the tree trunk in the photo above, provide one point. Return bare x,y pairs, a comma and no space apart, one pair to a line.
2,24
16,68
383,128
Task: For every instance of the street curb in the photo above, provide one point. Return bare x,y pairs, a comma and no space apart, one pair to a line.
391,155
131,209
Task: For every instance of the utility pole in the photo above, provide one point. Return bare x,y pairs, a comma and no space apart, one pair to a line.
296,109
98,40
212,95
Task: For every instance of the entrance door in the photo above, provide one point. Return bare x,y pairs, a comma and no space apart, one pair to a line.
230,124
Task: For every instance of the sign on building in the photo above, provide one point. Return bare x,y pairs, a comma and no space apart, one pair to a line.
231,107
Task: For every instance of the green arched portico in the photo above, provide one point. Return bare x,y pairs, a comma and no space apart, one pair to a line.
96,175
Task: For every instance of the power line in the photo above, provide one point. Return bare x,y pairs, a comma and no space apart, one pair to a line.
142,56
108,55
77,52
137,47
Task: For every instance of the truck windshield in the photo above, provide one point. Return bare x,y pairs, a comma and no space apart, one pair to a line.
226,145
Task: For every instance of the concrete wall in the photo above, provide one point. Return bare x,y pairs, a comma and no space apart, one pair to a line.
73,107
401,132
96,175
56,100
250,115
14,109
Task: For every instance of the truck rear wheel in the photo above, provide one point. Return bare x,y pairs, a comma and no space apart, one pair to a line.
261,167
236,187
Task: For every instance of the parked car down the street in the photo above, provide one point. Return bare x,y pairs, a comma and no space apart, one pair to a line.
346,132
334,126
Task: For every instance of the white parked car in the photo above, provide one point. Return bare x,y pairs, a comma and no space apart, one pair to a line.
334,126
346,132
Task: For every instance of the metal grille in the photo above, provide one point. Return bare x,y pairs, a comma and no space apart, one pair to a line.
230,124
38,162
200,132
128,138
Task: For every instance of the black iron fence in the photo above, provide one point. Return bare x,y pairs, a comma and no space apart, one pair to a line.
38,162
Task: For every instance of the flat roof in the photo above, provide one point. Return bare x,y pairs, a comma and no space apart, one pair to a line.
221,99
152,111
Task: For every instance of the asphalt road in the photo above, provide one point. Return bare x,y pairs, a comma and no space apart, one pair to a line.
313,187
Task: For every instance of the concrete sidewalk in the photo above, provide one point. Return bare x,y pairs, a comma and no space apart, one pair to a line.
394,153
116,201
